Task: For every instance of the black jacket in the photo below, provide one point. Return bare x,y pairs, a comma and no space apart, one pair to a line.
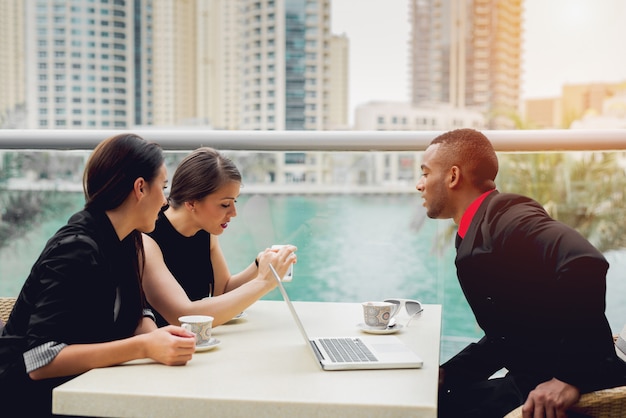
69,298
537,289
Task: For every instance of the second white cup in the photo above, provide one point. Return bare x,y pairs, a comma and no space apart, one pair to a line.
289,275
378,314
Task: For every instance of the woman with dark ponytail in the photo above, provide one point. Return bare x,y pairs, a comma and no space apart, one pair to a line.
82,306
186,271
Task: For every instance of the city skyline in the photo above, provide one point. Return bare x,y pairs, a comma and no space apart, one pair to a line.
566,42
556,35
114,64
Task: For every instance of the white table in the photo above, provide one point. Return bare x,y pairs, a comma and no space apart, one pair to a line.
262,368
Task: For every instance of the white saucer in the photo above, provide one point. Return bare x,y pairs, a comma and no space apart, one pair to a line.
388,330
213,342
242,315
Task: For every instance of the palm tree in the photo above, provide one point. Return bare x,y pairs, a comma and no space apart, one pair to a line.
583,190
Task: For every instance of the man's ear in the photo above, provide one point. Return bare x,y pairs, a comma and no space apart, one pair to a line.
455,176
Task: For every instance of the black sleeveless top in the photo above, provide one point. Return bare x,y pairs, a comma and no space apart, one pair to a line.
188,258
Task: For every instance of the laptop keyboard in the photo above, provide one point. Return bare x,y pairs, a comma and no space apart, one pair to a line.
347,350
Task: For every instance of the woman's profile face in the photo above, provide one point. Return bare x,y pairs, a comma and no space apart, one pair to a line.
154,200
214,211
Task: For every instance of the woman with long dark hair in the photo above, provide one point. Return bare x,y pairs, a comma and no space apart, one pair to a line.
82,306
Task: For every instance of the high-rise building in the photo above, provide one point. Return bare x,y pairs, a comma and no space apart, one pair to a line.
143,51
219,62
271,65
468,53
286,64
12,87
339,80
175,62
231,64
79,64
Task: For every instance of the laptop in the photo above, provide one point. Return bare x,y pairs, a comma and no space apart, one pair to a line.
354,353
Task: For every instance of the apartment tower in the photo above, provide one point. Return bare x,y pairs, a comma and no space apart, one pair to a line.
285,64
175,62
231,64
338,104
468,53
80,64
12,80
219,57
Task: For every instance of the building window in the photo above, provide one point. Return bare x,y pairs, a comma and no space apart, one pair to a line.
295,158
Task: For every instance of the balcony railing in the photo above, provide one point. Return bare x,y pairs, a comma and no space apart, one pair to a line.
356,217
187,139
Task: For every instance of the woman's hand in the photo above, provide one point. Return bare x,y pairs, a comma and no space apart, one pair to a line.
281,259
170,345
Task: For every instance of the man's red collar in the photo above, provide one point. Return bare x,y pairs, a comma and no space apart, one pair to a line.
467,217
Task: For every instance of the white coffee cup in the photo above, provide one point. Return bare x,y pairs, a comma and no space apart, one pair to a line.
289,275
378,314
200,325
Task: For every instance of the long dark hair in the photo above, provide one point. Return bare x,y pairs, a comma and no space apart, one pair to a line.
110,175
114,166
199,174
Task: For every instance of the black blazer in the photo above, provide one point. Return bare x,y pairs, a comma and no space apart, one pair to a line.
69,298
537,288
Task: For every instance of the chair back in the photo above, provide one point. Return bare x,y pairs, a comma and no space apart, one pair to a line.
6,306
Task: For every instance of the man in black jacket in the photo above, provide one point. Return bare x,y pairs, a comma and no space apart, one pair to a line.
536,287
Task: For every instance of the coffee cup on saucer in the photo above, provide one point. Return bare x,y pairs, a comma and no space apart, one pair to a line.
200,325
378,314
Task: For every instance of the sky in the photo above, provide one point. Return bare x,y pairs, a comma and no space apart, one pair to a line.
564,42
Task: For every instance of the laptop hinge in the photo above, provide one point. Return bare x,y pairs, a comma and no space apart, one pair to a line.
317,351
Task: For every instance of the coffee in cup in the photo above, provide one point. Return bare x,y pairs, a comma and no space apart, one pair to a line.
200,325
378,314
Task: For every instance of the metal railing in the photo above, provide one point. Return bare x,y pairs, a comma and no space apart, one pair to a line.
186,139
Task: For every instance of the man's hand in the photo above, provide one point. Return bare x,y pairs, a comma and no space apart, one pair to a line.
550,399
